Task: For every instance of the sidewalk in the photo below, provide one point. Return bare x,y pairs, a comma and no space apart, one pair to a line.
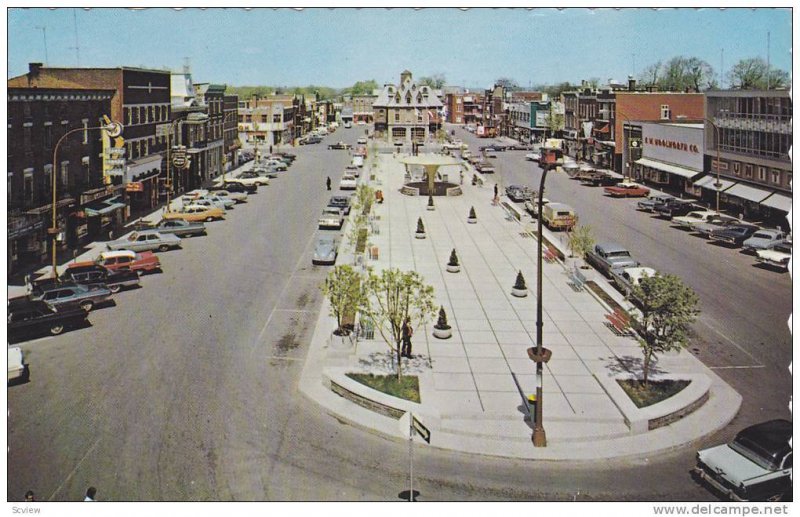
473,386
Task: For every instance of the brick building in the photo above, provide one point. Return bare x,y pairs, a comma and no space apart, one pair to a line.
211,97
407,112
454,104
37,119
230,131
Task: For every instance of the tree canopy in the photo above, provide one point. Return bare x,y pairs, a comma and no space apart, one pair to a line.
751,74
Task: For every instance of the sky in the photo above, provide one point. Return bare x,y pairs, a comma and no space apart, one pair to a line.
337,47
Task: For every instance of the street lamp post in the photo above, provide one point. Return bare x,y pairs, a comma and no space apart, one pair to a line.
114,129
718,184
169,161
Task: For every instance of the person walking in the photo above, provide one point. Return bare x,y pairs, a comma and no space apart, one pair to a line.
408,331
91,493
29,497
496,198
328,182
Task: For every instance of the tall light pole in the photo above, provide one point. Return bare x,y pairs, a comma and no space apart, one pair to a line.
717,184
114,129
629,163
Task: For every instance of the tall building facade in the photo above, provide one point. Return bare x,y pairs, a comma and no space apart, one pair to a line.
406,112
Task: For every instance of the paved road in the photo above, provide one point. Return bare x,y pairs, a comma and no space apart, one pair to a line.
187,389
741,333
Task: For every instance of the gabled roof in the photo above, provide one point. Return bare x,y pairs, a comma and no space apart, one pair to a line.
407,95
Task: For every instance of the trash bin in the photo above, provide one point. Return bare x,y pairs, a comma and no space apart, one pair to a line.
532,407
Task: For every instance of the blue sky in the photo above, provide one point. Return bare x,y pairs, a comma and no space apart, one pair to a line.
337,47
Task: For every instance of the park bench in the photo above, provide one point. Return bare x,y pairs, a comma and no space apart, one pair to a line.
578,279
549,255
619,322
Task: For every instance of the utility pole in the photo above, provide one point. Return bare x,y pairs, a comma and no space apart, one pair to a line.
44,35
767,60
76,47
721,68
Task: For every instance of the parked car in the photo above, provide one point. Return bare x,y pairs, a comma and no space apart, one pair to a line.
489,152
190,196
362,140
519,147
177,227
532,205
352,169
348,182
763,240
331,218
341,202
252,178
777,257
31,318
692,218
609,255
627,189
17,369
518,193
484,168
71,295
649,204
325,251
264,171
596,178
626,279
146,240
92,273
236,197
194,213
144,262
719,222
755,466
234,185
310,140
674,208
734,235
534,157
208,203
223,202
274,163
558,216
358,161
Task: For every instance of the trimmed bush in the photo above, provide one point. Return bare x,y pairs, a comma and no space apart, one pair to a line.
420,226
453,258
520,283
472,213
441,323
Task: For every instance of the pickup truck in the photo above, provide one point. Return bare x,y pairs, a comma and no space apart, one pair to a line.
607,256
755,466
177,227
30,318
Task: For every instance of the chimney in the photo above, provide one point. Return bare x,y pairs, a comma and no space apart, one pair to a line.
631,84
33,69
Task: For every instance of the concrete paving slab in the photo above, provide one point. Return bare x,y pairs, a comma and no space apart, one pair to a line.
489,365
494,382
454,381
476,324
477,336
577,384
566,367
482,350
449,349
514,338
501,314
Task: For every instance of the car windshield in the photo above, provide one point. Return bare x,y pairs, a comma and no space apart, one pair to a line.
616,254
759,235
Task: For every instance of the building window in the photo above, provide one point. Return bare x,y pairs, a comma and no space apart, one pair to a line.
134,116
26,138
150,117
27,186
276,118
142,115
397,116
776,176
85,131
665,112
762,174
48,137
64,176
48,174
87,170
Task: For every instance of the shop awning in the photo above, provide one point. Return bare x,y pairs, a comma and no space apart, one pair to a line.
743,191
708,182
666,167
105,210
779,201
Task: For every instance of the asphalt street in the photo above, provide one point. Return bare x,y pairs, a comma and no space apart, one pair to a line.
187,388
742,331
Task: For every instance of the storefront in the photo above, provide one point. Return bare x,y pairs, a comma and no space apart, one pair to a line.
142,182
672,156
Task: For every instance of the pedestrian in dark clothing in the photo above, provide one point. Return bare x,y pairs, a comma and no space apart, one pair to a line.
328,182
91,492
29,497
408,331
270,149
496,198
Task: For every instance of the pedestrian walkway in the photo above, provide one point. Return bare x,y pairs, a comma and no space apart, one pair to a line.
474,385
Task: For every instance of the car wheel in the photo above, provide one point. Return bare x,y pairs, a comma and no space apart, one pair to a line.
163,247
209,219
87,305
114,288
56,329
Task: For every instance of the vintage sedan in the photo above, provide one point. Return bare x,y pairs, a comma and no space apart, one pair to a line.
719,222
362,140
146,240
650,204
325,252
341,202
339,145
31,318
252,178
71,295
236,197
220,201
763,240
777,257
331,218
687,222
196,213
532,205
734,235
92,273
178,227
348,182
234,185
627,189
519,193
144,262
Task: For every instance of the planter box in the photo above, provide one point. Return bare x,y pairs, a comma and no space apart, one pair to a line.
431,207
442,333
519,293
472,220
419,235
453,269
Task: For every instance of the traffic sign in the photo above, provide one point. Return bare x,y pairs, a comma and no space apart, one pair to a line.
421,429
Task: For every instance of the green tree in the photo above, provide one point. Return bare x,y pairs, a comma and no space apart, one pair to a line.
649,76
507,83
391,297
751,74
344,291
362,87
668,308
699,74
436,81
581,241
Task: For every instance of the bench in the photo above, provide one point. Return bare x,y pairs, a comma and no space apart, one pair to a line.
374,253
578,279
513,212
619,322
549,255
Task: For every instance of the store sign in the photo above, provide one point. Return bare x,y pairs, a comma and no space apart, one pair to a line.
672,144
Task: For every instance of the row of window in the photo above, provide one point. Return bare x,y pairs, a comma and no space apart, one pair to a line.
276,118
29,183
751,107
145,114
755,143
49,136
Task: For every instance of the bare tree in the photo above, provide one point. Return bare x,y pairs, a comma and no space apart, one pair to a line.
507,83
649,76
699,73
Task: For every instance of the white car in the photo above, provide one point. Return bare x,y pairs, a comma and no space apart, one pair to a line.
777,257
629,277
689,220
208,203
534,157
532,205
237,197
226,202
348,182
358,161
190,196
16,364
331,218
362,140
247,178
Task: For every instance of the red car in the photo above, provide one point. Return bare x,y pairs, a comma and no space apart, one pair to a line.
144,262
627,189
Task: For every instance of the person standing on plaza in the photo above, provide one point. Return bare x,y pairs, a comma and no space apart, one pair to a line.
408,331
496,198
328,182
29,497
91,493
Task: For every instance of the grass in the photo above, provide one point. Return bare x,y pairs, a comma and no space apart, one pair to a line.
653,393
406,388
